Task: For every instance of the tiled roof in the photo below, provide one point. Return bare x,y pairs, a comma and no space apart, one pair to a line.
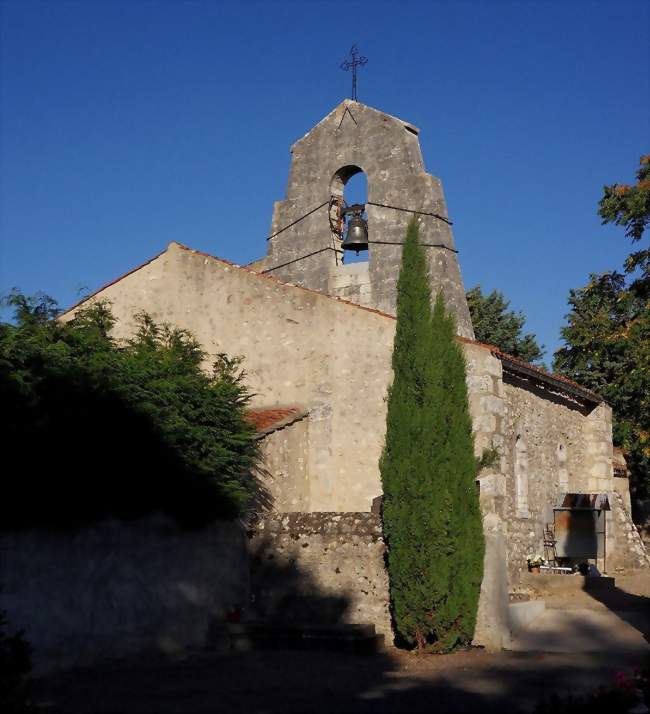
543,375
536,371
266,420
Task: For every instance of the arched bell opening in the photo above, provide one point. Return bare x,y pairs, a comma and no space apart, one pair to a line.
349,191
342,177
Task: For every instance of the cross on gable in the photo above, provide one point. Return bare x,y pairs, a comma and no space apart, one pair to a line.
357,61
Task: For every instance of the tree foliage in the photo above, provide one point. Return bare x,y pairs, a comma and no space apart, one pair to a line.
103,428
431,513
496,325
607,338
629,206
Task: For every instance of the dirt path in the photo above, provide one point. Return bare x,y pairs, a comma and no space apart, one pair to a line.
285,681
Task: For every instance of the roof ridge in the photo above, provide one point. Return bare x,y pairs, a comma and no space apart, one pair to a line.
230,263
282,282
343,105
112,282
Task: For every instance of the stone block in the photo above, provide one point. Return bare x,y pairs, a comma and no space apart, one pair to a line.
492,485
492,405
485,423
479,383
600,469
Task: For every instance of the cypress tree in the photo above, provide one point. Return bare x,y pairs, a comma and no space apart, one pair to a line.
432,521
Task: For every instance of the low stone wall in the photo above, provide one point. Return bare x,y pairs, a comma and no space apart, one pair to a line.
119,588
320,568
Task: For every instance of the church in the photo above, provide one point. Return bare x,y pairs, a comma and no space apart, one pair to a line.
316,334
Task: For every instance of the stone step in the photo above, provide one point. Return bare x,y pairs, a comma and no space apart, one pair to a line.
359,639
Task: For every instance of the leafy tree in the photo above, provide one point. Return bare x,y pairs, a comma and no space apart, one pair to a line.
100,428
431,513
607,338
629,206
607,349
496,325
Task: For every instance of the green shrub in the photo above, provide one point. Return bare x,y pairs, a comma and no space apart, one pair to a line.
431,513
101,428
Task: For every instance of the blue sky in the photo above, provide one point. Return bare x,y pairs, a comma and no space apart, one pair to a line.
125,125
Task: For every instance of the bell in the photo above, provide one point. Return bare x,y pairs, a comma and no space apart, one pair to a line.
357,235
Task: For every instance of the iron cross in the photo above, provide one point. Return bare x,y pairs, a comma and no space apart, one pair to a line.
357,61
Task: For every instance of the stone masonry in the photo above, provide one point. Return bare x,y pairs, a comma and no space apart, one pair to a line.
351,139
320,568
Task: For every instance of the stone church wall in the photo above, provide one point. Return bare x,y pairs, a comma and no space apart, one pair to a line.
300,347
545,455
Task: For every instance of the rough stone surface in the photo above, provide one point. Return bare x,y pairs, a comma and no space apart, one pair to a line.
630,553
120,588
543,426
351,139
351,282
285,466
320,568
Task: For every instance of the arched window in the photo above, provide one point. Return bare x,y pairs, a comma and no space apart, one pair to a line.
341,179
521,477
351,183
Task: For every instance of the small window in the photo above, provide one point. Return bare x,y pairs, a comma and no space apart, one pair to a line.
521,478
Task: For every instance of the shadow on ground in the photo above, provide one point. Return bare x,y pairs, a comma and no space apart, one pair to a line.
273,681
280,680
292,681
629,607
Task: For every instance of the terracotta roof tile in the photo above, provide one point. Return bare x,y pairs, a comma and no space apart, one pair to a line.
269,419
